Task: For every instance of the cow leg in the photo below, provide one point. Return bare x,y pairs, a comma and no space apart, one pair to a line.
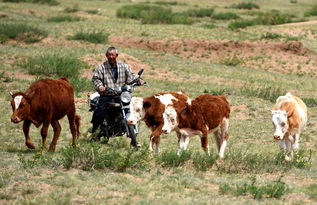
155,139
26,129
57,130
288,150
282,144
204,141
72,125
44,133
182,143
295,146
224,138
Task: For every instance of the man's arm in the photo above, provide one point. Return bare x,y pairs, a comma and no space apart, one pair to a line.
97,79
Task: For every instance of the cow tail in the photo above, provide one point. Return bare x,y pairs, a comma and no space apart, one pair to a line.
77,122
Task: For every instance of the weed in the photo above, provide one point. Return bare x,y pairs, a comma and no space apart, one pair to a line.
269,35
241,24
73,9
245,5
225,16
311,190
49,2
203,162
63,18
266,92
54,65
208,12
310,102
171,159
273,18
167,3
210,26
37,160
21,32
275,189
93,36
92,11
81,84
232,61
311,12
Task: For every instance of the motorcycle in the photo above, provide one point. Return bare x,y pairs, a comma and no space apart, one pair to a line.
115,122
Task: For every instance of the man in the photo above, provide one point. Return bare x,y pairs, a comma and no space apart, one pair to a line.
109,74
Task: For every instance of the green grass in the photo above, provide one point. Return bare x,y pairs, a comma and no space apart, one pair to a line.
246,5
96,173
49,2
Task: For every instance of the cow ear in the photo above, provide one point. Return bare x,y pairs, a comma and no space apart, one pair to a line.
185,111
146,104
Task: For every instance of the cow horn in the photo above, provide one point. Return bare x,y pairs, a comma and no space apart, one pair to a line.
11,93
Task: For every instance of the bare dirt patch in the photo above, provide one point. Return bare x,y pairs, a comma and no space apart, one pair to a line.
279,57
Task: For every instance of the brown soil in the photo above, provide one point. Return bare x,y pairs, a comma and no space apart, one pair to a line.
280,57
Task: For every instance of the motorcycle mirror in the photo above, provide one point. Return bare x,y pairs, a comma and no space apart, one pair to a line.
140,72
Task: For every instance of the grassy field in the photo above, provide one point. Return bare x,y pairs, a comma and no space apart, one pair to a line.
251,66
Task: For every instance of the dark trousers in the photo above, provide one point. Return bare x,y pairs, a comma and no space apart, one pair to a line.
100,112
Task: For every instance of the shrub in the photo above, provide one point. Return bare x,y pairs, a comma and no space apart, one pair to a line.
245,5
311,12
199,12
62,18
171,159
203,162
92,11
269,35
21,32
167,3
275,189
73,9
266,92
241,24
81,84
93,36
149,14
225,16
49,2
232,61
210,26
273,18
95,156
54,65
310,102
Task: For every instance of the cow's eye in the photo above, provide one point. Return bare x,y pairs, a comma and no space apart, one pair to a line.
283,124
138,110
172,120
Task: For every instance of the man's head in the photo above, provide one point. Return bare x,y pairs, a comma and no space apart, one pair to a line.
112,54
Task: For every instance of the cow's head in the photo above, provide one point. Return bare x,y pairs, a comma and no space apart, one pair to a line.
170,119
280,122
137,111
20,107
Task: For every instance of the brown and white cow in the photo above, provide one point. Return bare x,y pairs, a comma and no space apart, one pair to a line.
151,110
205,113
289,116
45,102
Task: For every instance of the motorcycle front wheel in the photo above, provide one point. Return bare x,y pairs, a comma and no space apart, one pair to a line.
133,135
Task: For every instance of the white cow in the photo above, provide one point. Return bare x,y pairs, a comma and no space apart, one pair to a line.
289,116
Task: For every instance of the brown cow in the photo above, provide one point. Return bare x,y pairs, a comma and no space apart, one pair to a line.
206,113
151,110
45,102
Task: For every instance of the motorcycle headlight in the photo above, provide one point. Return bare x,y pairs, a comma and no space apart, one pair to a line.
125,97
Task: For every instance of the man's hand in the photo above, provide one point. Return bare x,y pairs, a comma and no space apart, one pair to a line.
101,89
141,82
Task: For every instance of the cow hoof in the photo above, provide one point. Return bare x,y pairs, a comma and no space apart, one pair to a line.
30,145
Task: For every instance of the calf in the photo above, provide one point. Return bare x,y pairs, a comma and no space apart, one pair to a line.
204,114
45,102
289,117
151,110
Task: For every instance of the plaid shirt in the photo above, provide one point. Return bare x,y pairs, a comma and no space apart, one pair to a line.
103,76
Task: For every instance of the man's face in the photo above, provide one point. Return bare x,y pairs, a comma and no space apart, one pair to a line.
111,56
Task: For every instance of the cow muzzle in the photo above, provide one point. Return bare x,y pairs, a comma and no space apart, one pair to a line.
276,137
130,122
15,119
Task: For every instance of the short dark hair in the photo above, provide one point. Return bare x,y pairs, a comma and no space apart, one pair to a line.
112,48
